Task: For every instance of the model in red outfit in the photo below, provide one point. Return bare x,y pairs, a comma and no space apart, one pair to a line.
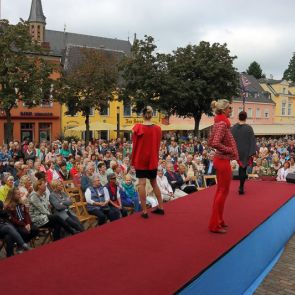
146,139
222,140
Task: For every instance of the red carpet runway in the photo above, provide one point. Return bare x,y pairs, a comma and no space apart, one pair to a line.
138,256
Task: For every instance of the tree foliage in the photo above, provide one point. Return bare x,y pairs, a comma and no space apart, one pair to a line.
24,74
141,72
255,70
183,83
289,73
89,83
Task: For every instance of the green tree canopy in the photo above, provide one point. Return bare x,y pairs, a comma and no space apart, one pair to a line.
24,74
255,70
200,73
289,73
141,73
183,83
88,82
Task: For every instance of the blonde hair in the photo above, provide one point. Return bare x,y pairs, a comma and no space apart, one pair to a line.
147,112
219,106
55,183
24,180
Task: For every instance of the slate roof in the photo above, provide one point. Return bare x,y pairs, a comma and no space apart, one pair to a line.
270,81
60,40
73,56
36,14
254,91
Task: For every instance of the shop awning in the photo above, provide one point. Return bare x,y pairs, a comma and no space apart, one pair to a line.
273,129
173,127
96,126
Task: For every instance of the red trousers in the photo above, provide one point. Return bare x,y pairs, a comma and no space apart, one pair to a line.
224,176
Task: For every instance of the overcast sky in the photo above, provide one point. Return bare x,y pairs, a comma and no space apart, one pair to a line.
261,30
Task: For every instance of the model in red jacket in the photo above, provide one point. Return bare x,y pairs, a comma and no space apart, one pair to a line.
146,139
223,142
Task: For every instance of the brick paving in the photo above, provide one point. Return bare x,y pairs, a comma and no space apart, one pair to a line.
281,280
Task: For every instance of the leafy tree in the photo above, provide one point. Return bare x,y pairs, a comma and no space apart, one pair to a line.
289,73
196,75
24,75
141,72
89,82
255,70
183,83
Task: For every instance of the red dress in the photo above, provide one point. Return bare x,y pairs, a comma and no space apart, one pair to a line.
146,141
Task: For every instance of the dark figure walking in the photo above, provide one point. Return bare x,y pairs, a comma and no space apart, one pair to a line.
246,143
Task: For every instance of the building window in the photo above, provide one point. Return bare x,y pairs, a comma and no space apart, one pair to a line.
283,108
27,131
91,135
258,113
289,109
284,91
250,113
104,111
44,132
127,110
240,110
266,113
104,134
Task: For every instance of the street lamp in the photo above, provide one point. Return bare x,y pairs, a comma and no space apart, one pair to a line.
118,122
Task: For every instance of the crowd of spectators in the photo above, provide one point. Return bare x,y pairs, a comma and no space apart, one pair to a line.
32,194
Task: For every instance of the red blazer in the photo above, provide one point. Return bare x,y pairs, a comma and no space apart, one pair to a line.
146,141
223,141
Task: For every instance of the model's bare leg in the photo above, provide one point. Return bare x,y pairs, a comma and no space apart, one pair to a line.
142,193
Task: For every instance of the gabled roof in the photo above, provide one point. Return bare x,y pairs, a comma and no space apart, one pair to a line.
60,40
270,81
36,14
254,91
74,56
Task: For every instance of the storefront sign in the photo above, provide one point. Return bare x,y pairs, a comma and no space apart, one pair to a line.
30,114
136,121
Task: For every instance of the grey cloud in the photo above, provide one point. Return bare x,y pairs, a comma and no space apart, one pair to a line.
254,30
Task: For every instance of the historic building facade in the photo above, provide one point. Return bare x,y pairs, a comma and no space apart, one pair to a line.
42,122
283,94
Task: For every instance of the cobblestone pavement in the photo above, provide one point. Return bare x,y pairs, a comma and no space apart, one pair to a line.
281,280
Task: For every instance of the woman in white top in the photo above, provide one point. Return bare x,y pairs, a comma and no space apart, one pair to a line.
164,186
283,172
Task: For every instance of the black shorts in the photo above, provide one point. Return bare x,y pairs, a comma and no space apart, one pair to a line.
150,174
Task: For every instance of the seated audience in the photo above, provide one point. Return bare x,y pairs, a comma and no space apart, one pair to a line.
97,204
112,194
60,203
41,214
164,186
19,215
9,234
283,172
131,193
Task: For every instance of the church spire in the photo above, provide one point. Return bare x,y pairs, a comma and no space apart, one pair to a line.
37,14
37,21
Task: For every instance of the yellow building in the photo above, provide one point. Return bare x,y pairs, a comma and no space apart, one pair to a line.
111,115
283,94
